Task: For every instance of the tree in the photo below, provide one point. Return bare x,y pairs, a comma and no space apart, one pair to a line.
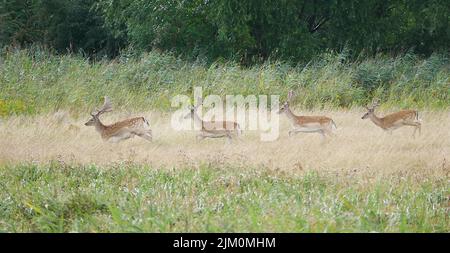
64,25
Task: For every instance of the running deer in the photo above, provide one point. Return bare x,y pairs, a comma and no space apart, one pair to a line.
213,129
307,124
121,130
395,120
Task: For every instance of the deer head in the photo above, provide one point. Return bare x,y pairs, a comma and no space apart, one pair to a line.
285,106
371,109
193,109
107,107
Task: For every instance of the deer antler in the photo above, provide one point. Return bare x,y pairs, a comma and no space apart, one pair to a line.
375,103
199,102
290,95
107,107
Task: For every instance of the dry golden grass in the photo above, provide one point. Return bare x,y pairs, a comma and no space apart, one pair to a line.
359,145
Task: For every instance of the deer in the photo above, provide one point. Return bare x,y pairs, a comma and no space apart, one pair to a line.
121,130
307,124
395,120
213,129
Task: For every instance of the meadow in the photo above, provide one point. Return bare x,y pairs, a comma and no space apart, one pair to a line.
57,175
139,198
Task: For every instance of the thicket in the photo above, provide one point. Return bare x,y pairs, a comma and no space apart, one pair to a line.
247,32
37,80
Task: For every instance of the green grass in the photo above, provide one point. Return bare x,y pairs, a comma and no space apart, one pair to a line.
35,81
133,198
128,198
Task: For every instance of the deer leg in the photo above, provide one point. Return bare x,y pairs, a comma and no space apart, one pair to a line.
414,132
324,137
416,126
293,131
114,140
122,135
238,136
149,135
142,134
146,135
329,132
117,139
200,137
229,138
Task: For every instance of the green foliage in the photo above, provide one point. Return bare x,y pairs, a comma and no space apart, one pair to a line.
15,107
254,31
63,25
247,32
36,81
131,198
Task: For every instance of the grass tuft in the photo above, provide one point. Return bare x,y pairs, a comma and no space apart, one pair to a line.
35,81
209,199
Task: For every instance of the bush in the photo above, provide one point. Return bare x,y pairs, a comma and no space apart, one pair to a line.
35,81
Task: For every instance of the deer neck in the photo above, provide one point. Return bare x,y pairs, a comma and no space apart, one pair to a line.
99,126
197,119
290,114
376,120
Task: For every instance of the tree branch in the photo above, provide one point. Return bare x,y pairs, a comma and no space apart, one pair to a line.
319,24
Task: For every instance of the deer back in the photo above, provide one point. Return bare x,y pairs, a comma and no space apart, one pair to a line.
305,120
408,115
219,126
124,125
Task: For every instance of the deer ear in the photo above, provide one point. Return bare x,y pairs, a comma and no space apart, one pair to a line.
199,100
376,103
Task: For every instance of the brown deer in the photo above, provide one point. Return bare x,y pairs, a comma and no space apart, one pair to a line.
307,124
213,129
395,120
121,130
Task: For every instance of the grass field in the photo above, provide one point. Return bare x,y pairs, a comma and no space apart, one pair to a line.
358,145
135,198
58,175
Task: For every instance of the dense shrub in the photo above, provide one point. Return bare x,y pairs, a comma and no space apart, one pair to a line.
36,80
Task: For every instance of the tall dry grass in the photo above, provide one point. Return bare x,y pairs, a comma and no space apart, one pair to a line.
359,145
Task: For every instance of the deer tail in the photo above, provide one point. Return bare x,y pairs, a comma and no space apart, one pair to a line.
333,124
238,129
146,122
417,117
